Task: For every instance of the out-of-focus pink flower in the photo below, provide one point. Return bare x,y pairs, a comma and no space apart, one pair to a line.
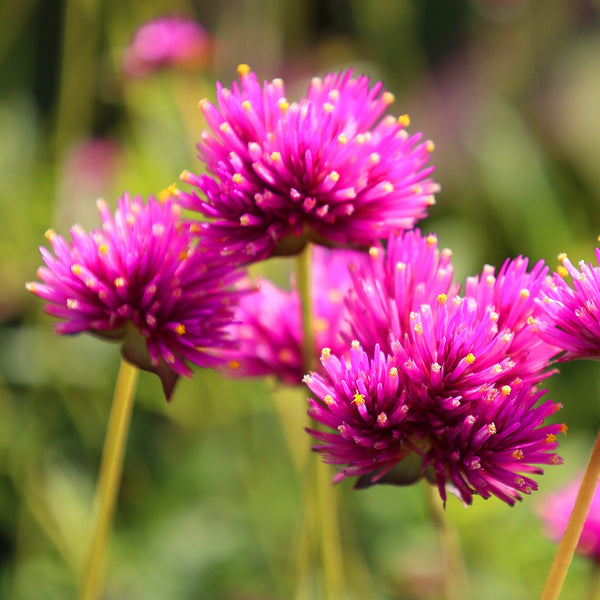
167,42
556,510
143,278
329,168
268,323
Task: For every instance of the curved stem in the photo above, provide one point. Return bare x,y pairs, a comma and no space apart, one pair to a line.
568,544
109,479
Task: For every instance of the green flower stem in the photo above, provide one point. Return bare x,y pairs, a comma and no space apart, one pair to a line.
568,544
320,491
109,479
454,570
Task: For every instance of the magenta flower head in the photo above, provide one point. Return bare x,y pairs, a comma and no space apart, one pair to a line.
268,323
327,168
145,279
572,313
512,296
167,42
556,509
409,272
381,422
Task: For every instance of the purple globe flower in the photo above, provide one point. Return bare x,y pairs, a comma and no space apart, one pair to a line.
572,313
410,272
327,168
167,42
556,509
268,323
512,296
490,444
143,278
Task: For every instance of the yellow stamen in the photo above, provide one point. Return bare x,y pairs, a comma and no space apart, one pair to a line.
404,120
442,298
180,329
470,358
358,398
325,353
243,69
237,178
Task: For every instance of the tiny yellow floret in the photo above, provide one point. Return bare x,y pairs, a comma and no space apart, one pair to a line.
119,282
180,329
505,389
243,69
334,176
246,105
404,120
237,178
76,269
358,398
470,358
430,146
328,399
442,298
325,352
275,156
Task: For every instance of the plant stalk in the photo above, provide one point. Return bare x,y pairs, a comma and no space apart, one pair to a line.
568,543
319,487
109,479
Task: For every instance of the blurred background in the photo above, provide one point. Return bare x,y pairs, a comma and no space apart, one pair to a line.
210,506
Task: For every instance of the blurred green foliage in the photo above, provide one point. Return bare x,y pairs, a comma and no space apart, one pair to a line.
211,501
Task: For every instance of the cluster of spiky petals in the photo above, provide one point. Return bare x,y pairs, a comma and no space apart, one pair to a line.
409,272
328,168
143,268
489,444
175,42
464,361
555,511
268,322
513,295
572,312
362,401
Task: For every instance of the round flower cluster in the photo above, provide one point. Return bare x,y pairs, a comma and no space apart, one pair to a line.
327,168
458,373
146,279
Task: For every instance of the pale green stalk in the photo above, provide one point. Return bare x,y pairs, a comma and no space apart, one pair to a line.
109,479
319,487
568,544
454,571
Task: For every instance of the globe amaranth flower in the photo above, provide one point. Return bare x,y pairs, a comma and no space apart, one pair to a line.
466,365
167,42
555,511
379,421
328,168
406,302
409,272
572,312
143,278
268,323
